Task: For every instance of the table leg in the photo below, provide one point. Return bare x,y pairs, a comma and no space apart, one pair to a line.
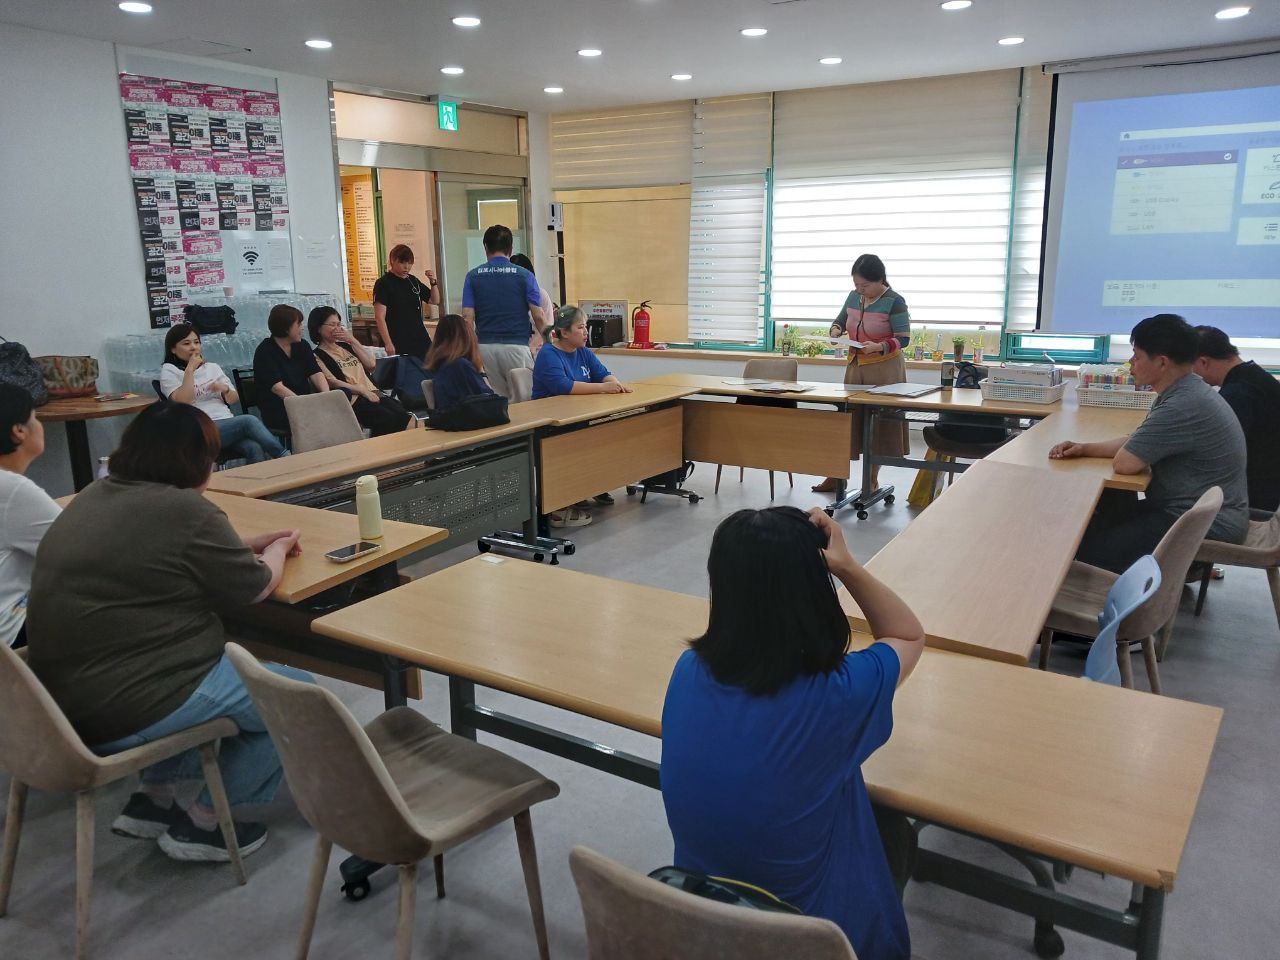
462,696
81,458
1150,922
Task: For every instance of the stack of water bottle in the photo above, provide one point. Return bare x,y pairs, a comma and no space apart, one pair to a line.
133,361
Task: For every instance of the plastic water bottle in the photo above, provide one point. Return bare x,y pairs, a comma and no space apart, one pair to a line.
369,507
104,468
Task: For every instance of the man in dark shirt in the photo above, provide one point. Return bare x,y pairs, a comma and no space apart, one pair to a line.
1254,395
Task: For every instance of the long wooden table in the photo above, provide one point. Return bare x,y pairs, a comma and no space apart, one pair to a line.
72,412
1086,424
981,567
1110,784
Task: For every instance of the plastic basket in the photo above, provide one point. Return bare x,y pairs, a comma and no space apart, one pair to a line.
1113,397
1026,392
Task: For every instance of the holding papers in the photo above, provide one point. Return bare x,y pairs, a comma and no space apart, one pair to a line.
837,342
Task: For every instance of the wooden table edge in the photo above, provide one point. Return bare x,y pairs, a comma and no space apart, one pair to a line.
383,557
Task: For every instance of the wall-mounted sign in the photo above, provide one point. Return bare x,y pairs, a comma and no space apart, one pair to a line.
448,115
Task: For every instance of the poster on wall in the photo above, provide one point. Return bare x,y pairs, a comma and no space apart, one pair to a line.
207,164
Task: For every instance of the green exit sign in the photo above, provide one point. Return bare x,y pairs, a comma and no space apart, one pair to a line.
448,115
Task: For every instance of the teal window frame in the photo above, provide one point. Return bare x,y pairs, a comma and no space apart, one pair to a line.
1019,346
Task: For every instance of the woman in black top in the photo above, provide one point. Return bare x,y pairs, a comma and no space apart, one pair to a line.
284,366
347,364
400,305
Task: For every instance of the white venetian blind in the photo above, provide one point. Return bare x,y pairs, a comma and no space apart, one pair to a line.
916,171
1028,199
732,147
637,146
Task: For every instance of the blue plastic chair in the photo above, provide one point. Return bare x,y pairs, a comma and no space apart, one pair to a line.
1132,590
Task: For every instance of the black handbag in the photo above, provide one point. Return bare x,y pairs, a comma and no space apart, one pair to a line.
209,320
722,890
17,368
471,413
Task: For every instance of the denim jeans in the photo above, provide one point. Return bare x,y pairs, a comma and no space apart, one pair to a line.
249,437
250,768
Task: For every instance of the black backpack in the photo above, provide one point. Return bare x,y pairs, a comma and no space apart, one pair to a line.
209,320
17,368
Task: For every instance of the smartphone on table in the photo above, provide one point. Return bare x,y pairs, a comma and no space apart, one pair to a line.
351,551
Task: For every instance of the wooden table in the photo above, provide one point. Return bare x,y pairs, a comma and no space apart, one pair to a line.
1109,783
73,412
1087,424
982,566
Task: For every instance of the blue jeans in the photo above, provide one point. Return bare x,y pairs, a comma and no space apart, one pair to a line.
248,437
250,768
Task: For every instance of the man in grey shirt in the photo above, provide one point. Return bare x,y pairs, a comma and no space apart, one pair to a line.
1190,439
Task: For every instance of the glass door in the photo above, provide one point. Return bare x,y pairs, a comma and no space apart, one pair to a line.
467,207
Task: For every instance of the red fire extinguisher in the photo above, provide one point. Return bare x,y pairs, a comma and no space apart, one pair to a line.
640,326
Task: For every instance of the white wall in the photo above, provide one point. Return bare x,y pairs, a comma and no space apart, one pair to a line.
542,240
70,255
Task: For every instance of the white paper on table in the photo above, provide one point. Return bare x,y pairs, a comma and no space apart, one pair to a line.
780,386
742,381
838,342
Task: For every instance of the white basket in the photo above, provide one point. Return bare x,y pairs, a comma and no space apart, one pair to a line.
1026,392
1113,397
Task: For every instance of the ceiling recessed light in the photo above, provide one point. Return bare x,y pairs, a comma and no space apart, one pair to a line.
753,31
131,6
682,76
553,89
831,61
589,52
956,4
1010,41
319,44
466,21
451,71
1232,13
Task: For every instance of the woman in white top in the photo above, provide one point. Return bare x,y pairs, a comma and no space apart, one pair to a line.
25,510
186,377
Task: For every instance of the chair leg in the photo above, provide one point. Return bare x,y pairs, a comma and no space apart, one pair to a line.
1273,578
221,806
84,870
741,473
1153,668
1046,647
533,886
770,484
315,884
1162,644
719,470
438,863
1126,667
408,897
791,481
12,834
1205,576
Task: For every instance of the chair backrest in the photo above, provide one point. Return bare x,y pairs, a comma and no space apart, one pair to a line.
155,385
520,383
38,745
630,917
246,388
340,784
319,420
775,368
1175,551
429,393
1134,588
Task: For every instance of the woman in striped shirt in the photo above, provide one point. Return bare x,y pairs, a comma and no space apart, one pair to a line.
874,315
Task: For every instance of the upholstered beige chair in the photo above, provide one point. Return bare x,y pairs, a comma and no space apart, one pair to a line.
779,369
395,792
520,383
631,917
1080,599
38,748
1260,550
319,420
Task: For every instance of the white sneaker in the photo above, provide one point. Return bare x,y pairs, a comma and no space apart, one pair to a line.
573,517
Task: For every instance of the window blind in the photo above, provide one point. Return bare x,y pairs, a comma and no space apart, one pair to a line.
638,146
1030,177
916,171
732,148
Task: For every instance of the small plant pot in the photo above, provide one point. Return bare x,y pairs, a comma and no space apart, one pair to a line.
957,352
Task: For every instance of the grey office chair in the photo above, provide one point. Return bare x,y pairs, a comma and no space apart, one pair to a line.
520,383
319,420
429,392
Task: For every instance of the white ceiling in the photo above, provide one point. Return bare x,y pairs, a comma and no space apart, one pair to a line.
524,45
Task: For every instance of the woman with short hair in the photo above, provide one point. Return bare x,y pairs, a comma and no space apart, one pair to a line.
186,377
284,366
124,631
347,364
455,363
769,717
401,305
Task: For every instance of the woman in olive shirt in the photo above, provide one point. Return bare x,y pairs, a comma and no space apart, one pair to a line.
124,633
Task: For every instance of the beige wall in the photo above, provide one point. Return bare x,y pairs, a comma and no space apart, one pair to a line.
630,243
406,216
401,121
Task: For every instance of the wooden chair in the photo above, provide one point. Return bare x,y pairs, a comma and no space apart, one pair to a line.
397,791
631,917
784,370
1084,593
39,748
1260,550
319,420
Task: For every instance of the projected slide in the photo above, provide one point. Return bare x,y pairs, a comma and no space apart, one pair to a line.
1172,203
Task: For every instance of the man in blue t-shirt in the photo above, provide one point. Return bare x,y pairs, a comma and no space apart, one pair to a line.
505,304
567,365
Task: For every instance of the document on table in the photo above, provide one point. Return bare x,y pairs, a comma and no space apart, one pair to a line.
780,387
742,382
906,389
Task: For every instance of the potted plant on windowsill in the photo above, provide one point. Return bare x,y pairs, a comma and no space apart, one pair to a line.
957,348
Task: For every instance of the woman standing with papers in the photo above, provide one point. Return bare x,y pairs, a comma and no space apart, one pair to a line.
875,316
